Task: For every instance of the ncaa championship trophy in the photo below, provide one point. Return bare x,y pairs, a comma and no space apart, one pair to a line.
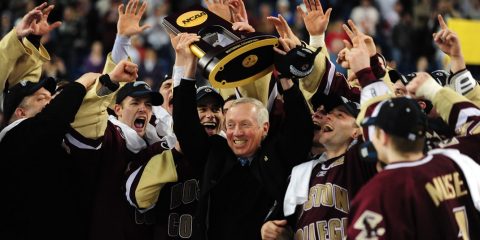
227,58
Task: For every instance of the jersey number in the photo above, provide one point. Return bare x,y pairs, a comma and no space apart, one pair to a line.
461,217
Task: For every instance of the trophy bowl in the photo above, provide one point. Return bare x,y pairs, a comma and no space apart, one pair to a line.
227,58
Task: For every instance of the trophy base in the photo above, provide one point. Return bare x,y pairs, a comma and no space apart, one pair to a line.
239,63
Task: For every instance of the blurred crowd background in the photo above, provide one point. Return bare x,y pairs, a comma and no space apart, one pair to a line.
401,28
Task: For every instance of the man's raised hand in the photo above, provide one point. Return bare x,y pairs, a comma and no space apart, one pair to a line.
181,44
129,18
287,45
124,71
358,58
356,36
447,40
36,22
238,11
315,20
283,29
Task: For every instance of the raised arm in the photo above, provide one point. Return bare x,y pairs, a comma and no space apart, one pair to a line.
373,90
128,25
23,42
310,84
60,112
377,61
91,119
36,22
461,80
447,41
297,131
186,124
316,21
456,110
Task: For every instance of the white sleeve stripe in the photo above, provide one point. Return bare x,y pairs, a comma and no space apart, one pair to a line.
331,74
463,82
128,186
271,99
237,93
473,128
371,128
77,143
464,114
376,110
146,209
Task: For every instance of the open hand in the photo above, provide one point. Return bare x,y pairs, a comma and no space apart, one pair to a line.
36,22
238,11
357,57
287,45
283,29
129,18
356,36
316,21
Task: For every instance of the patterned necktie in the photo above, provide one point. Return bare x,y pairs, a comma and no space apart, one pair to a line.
244,161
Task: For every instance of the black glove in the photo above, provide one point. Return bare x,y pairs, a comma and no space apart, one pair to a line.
396,75
297,63
441,77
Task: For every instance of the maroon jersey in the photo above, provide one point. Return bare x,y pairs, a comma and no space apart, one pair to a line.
177,202
333,183
335,83
101,164
425,199
467,145
464,113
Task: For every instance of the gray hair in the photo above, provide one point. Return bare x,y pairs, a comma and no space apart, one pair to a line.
262,112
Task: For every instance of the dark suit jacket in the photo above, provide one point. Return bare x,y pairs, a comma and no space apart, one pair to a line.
38,189
272,164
